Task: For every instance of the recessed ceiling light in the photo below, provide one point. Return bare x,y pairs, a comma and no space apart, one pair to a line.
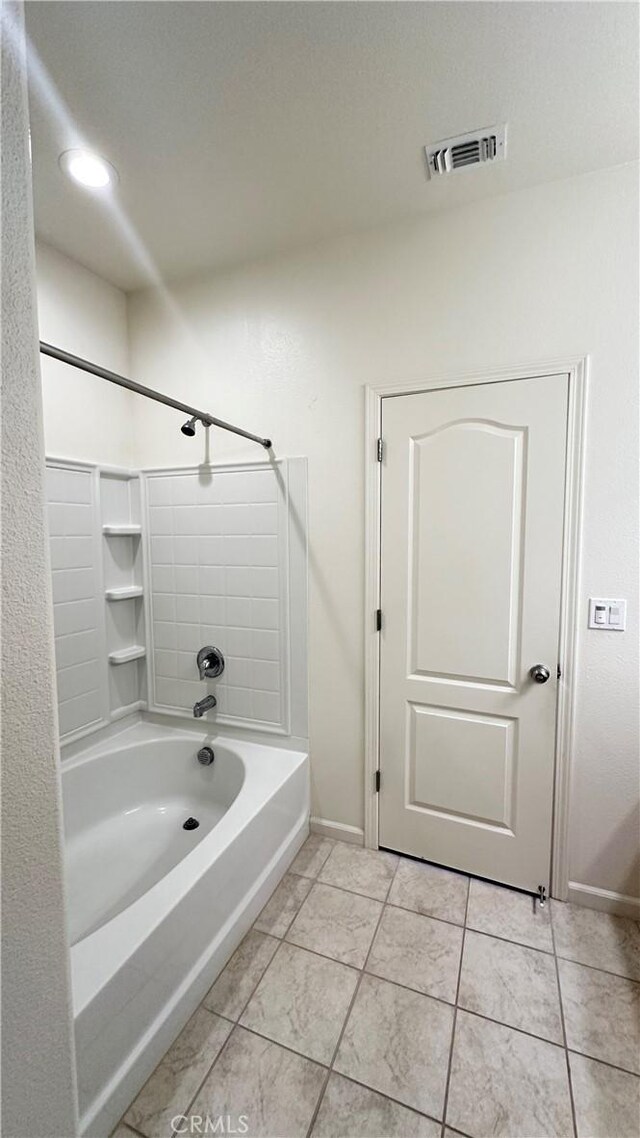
88,169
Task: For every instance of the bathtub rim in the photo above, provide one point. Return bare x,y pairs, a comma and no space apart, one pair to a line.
96,741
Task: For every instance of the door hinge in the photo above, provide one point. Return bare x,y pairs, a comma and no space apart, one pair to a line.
377,782
378,620
542,895
379,449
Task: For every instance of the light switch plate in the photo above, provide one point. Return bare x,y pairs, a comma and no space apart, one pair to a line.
607,613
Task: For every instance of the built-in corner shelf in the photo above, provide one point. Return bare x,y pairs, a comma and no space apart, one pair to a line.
125,593
122,531
125,655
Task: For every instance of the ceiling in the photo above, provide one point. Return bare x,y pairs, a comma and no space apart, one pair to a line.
243,129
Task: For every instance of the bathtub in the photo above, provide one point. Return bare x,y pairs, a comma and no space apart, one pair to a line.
156,909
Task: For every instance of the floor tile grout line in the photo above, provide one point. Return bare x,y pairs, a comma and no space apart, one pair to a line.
311,877
508,940
447,1085
284,1046
388,905
352,892
596,968
343,889
389,1098
509,1026
564,1027
252,992
391,904
351,1005
604,1063
189,1106
286,932
200,1007
325,955
131,1128
547,951
421,913
385,904
317,880
322,955
235,1023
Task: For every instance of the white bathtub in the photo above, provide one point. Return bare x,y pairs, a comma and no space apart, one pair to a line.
156,910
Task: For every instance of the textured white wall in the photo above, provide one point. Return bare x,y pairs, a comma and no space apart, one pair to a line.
84,417
285,347
38,1077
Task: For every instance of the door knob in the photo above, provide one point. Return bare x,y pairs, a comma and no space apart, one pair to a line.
539,673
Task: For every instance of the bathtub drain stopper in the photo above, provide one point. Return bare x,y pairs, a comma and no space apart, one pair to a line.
190,824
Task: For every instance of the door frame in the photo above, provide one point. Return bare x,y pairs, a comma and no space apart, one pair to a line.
576,368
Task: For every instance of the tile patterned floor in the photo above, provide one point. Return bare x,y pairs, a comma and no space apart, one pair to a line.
377,997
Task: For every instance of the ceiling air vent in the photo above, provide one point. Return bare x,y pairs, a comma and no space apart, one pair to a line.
467,150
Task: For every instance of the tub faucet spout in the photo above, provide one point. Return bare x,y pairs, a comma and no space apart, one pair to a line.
203,705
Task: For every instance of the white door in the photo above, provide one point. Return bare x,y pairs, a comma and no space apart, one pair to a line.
472,517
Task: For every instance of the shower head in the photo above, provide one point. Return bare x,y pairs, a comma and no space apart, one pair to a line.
189,428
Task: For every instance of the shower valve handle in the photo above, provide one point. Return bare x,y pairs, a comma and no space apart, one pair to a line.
210,662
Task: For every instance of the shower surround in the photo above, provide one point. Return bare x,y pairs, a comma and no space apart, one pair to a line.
150,566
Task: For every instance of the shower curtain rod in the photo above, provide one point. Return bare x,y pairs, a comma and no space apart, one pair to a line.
131,385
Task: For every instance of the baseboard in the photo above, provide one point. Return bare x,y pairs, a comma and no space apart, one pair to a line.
604,899
337,830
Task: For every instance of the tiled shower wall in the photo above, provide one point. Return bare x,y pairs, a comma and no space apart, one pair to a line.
75,565
214,557
220,568
98,620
